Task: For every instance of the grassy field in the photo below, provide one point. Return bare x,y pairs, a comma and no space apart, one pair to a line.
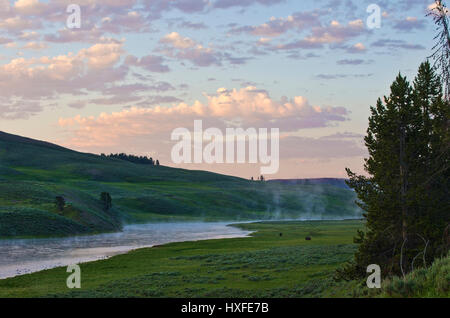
276,261
33,173
430,282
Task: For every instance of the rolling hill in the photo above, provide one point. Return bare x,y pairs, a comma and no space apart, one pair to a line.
318,181
33,173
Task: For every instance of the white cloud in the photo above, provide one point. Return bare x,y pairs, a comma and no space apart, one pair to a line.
177,41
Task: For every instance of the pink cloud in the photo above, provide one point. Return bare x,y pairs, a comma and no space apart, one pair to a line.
147,131
184,48
41,79
247,107
151,63
277,26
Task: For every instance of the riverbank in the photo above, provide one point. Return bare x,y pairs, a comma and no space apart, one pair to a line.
23,256
275,261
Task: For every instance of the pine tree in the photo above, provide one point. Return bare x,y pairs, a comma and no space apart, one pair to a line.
106,200
433,203
406,213
60,203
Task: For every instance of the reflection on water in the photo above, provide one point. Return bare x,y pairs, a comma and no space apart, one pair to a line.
19,257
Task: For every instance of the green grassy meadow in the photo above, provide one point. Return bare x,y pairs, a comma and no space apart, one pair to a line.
266,264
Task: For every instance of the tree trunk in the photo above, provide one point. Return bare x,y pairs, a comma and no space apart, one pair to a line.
403,181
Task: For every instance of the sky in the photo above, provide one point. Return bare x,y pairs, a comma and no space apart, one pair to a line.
134,71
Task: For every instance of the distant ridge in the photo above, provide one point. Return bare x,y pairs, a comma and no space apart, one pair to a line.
24,140
319,181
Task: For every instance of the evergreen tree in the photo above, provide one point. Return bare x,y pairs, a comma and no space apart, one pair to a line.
131,158
433,203
405,197
106,199
60,203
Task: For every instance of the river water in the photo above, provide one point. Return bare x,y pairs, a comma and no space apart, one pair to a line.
18,257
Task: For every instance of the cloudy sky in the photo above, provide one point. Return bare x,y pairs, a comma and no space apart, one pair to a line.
136,70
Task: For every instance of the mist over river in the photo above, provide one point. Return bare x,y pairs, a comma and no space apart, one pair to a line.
22,256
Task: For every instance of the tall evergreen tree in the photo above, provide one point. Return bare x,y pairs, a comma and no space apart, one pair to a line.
405,197
432,164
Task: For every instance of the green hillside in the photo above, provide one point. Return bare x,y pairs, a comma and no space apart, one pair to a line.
33,173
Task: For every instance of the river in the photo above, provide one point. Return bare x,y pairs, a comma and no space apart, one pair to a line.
22,256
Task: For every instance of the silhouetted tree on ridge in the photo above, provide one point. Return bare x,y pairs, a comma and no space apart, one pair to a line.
144,160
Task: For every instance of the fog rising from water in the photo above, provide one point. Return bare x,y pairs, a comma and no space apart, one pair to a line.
24,256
